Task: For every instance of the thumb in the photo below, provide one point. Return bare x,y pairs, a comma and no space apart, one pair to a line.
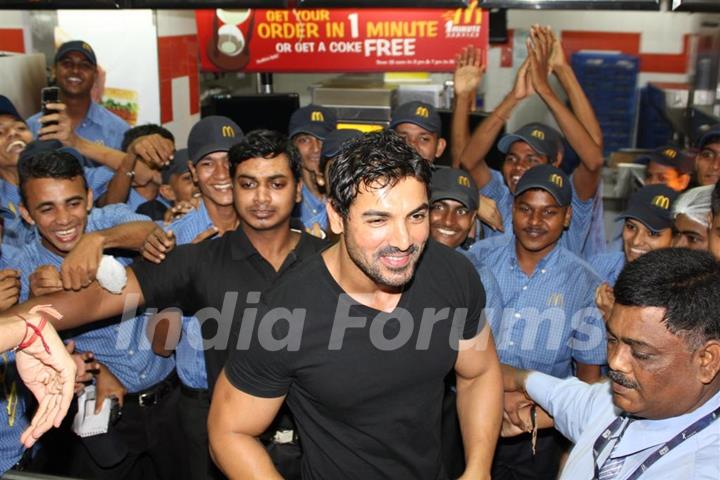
206,234
70,346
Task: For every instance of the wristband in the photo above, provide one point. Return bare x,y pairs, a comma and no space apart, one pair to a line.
37,333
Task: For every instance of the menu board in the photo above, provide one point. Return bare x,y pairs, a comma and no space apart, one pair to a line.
339,40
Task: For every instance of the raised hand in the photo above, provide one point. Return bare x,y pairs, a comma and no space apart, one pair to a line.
468,71
539,46
154,150
523,86
489,214
61,129
557,54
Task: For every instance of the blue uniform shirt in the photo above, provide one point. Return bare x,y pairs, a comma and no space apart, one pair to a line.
189,353
122,347
12,403
575,238
100,125
311,210
549,318
608,266
582,412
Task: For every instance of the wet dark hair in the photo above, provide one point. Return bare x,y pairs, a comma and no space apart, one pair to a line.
264,144
684,282
142,130
49,164
378,159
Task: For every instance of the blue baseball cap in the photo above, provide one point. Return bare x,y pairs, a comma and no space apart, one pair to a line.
710,136
76,46
421,114
177,166
652,206
542,138
7,108
669,156
549,178
212,134
314,120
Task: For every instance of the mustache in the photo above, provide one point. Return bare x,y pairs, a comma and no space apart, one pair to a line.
394,250
621,379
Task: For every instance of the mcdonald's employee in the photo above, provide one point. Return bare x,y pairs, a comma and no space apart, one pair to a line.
549,320
714,233
308,128
536,144
648,226
419,124
707,161
76,70
669,166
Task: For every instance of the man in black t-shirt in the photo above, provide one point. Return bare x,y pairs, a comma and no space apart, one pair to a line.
360,338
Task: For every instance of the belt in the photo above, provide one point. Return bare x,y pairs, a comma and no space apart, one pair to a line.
194,393
153,395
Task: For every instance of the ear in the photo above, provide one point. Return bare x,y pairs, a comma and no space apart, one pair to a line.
442,144
337,225
89,204
708,361
193,172
298,191
26,215
568,217
167,192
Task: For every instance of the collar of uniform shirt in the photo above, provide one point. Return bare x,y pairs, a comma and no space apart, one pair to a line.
643,434
93,114
547,262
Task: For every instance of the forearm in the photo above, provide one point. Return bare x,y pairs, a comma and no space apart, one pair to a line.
119,186
480,407
13,331
241,456
107,156
128,236
460,135
579,102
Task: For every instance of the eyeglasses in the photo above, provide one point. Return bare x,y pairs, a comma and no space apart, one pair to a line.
711,155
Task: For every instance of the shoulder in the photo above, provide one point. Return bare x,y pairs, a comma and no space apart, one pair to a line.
308,281
107,118
446,269
310,244
489,249
577,268
34,120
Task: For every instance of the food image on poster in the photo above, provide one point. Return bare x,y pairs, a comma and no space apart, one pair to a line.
339,40
122,102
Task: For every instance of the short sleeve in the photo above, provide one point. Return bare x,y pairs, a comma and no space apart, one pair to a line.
113,215
171,283
589,337
98,179
260,371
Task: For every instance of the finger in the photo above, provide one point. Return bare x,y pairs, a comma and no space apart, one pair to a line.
9,273
206,234
168,239
156,242
152,254
66,278
70,346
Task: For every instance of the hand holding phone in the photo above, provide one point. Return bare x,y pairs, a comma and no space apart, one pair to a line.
49,95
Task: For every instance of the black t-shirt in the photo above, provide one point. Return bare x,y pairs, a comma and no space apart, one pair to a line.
364,409
154,209
213,281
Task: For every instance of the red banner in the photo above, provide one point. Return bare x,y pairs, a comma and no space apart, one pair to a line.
338,40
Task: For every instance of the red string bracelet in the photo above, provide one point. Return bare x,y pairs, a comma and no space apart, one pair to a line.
37,333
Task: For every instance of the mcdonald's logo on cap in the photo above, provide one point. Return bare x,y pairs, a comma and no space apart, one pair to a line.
87,47
556,179
464,181
422,112
538,134
228,131
317,117
670,153
661,201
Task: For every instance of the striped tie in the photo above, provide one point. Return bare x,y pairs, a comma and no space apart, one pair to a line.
611,468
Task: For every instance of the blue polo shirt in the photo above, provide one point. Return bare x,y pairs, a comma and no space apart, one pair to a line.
100,125
122,346
608,266
15,231
13,420
577,238
189,353
311,210
549,318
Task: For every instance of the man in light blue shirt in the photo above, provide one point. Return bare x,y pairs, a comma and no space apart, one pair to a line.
76,70
657,417
549,320
307,130
71,239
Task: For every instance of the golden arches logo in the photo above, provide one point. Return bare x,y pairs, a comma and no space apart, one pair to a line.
556,179
471,15
670,153
87,47
228,131
317,117
422,112
464,181
538,134
661,201
556,300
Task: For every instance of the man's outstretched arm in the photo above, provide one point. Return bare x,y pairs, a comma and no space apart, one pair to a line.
479,402
235,421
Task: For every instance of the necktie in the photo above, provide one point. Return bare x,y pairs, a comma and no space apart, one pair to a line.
612,466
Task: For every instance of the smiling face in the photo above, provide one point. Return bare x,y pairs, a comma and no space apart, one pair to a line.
385,231
75,75
14,136
450,222
265,192
429,145
212,176
639,239
538,220
688,233
520,158
654,373
59,208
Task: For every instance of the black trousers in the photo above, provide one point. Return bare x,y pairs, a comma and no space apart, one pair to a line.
514,459
193,409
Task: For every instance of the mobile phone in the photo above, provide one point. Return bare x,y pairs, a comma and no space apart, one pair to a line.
49,95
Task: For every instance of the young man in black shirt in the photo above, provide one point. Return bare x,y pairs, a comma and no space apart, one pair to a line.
360,338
